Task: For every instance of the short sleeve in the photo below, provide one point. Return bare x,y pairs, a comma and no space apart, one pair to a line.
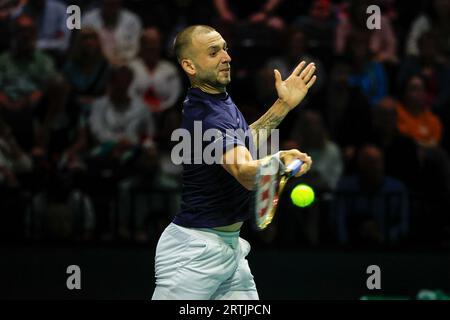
225,130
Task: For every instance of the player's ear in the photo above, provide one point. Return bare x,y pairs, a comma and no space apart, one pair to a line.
188,67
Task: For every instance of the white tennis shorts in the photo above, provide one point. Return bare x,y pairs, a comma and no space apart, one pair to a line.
202,264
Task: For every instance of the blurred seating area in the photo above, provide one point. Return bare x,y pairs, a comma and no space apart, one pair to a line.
86,117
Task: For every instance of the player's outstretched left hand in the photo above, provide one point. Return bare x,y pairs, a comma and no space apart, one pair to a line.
294,89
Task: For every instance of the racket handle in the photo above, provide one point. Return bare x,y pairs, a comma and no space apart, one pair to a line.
294,167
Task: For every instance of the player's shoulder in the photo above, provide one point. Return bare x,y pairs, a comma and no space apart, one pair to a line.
196,102
202,106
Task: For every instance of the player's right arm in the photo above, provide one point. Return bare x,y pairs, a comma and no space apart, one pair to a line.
240,164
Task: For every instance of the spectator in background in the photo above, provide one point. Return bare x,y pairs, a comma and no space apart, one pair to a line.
370,207
119,30
50,16
347,111
382,43
319,25
296,44
415,120
401,153
86,73
156,80
309,134
235,12
162,14
168,177
297,49
13,160
13,163
61,212
122,130
25,77
119,118
435,73
437,20
367,74
250,27
158,83
7,10
424,170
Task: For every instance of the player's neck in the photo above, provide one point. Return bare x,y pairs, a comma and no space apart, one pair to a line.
208,88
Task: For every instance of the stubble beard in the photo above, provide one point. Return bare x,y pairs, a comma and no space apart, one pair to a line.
215,80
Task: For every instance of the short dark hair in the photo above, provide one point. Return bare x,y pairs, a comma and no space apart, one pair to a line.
184,39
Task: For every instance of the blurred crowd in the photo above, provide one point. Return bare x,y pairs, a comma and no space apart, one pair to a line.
86,116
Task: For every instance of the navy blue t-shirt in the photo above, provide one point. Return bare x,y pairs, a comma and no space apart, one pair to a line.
211,196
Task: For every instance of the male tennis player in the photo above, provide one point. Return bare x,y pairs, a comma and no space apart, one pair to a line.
200,254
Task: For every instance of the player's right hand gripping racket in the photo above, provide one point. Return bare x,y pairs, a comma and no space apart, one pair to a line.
270,182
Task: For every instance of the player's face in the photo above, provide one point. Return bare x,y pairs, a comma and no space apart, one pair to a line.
211,59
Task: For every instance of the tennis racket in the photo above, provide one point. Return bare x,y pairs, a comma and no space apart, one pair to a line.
270,182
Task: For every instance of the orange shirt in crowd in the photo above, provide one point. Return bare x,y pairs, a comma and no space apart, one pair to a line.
425,128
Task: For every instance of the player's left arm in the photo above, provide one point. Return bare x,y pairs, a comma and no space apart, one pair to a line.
291,92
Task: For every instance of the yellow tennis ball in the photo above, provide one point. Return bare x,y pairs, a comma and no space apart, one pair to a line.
302,195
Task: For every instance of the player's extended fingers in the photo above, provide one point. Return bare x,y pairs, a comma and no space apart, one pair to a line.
309,74
304,157
298,69
305,71
311,82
